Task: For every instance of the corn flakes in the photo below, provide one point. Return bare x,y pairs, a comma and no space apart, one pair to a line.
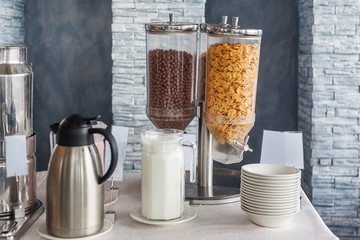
231,82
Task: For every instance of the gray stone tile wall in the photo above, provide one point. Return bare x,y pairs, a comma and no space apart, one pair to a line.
329,110
12,31
305,110
129,62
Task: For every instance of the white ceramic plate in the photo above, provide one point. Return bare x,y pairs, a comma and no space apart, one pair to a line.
269,183
266,209
189,213
270,205
272,179
270,221
263,193
270,189
270,212
42,231
271,171
259,210
265,189
270,197
269,202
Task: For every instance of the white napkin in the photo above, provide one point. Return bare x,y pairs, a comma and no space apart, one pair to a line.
121,137
283,148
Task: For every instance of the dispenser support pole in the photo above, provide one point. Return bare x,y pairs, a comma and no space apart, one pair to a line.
215,185
205,162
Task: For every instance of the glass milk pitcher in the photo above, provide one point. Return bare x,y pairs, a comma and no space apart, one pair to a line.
163,173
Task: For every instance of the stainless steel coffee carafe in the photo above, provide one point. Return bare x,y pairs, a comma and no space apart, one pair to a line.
16,99
75,193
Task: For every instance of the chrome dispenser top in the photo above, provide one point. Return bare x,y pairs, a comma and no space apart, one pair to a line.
13,55
171,26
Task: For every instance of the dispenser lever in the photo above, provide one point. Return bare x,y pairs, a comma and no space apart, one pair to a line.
243,147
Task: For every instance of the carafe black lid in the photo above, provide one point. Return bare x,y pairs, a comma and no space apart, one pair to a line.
73,131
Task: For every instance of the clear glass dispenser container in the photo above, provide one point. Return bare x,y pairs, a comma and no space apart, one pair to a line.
203,38
171,73
231,81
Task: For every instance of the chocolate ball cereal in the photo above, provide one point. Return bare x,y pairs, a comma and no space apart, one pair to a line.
171,98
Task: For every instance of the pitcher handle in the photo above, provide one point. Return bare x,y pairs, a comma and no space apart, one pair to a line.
113,148
192,145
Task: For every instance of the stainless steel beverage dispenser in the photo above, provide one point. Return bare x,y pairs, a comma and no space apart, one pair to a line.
18,205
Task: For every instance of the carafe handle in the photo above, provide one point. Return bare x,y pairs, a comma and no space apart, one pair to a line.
114,152
191,145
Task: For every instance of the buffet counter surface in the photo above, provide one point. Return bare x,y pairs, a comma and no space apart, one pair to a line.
212,221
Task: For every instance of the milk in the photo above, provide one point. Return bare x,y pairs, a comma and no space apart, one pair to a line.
162,180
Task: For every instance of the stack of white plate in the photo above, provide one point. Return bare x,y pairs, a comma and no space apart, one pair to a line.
270,194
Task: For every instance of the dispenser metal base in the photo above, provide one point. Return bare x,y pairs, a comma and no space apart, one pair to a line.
225,189
15,228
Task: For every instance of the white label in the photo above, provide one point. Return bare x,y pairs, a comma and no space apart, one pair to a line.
294,149
283,148
121,135
16,156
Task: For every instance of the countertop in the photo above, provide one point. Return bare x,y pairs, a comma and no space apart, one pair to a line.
226,221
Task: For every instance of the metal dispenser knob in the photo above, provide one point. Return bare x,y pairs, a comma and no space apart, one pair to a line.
235,21
243,147
224,20
171,17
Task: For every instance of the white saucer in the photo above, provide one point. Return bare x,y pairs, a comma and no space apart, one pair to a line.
189,213
42,231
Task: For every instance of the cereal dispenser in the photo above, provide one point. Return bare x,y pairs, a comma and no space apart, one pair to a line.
232,70
226,107
171,73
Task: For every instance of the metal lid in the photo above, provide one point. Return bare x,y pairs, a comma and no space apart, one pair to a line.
171,26
203,26
73,131
234,29
13,54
